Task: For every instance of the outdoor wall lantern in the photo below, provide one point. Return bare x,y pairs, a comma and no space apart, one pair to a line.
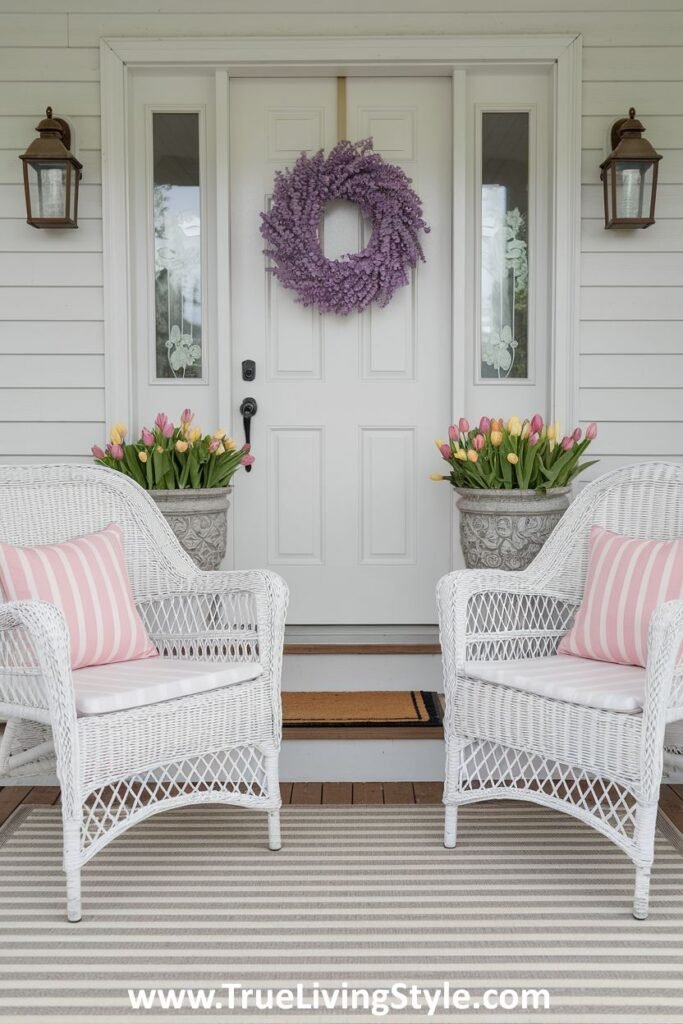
51,176
629,176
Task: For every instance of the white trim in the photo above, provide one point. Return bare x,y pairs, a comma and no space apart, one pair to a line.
459,260
343,55
273,54
566,246
118,352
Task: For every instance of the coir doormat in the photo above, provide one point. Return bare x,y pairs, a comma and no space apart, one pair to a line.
362,708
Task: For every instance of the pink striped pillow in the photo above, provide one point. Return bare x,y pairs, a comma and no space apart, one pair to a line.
627,580
87,579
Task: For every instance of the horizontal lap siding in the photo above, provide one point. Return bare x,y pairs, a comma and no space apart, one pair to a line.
631,364
631,331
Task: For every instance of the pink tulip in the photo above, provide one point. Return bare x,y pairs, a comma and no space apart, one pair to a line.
167,429
186,416
97,451
214,445
453,432
536,424
247,460
161,420
445,451
147,436
484,424
567,443
116,452
592,431
463,425
479,441
577,434
534,439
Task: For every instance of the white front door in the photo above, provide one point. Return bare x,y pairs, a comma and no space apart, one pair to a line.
339,500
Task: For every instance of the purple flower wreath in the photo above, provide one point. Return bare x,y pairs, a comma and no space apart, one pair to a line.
352,171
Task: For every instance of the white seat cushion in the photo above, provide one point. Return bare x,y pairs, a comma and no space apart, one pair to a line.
132,684
592,684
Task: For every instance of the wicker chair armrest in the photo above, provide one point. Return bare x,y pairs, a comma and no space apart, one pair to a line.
40,641
663,690
494,615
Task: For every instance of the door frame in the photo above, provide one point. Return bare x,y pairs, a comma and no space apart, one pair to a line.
342,55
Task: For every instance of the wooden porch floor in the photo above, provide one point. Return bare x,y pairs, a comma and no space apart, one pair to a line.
11,797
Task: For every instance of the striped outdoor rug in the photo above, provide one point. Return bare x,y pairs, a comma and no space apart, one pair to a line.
361,895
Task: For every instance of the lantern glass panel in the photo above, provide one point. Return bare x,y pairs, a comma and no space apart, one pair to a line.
633,189
72,183
47,189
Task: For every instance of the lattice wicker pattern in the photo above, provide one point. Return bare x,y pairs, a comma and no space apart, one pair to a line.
117,768
236,776
602,767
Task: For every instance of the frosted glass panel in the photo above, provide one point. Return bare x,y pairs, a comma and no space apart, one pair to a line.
177,246
504,277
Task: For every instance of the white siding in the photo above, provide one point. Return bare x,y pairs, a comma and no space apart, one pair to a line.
51,347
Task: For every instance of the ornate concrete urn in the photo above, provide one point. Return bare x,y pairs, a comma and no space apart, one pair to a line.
199,519
507,529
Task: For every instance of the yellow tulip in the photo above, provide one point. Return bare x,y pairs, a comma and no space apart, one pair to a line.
438,442
526,429
220,450
514,426
160,449
496,438
472,455
437,476
181,446
230,445
196,434
142,456
553,431
220,434
117,433
512,458
460,454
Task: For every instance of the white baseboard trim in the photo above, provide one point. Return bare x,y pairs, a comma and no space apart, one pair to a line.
362,761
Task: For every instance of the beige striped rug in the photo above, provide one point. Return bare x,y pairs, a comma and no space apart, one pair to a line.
365,896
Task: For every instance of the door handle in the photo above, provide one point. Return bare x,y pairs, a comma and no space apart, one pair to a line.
248,408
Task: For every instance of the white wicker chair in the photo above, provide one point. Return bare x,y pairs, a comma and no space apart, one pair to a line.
603,767
117,768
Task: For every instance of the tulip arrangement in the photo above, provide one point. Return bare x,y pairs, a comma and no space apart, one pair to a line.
174,458
524,455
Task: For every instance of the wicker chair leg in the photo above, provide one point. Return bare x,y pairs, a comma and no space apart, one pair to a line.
274,840
641,895
73,895
72,869
450,826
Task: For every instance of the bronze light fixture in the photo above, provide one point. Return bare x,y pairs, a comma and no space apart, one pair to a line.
629,176
51,176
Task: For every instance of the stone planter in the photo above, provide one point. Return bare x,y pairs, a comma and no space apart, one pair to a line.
507,529
199,519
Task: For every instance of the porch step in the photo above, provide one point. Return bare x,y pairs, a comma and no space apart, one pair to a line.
317,667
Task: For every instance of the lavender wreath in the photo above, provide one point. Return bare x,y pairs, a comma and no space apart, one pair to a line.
291,228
